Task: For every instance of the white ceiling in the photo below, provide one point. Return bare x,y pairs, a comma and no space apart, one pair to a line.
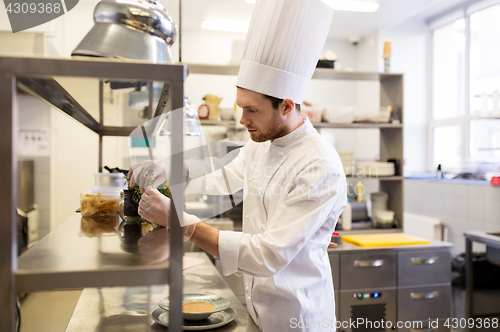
344,24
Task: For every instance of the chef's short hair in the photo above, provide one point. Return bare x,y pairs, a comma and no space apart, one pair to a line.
277,101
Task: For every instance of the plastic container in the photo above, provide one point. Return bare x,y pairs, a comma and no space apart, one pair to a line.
385,219
347,217
360,190
385,216
100,204
115,180
379,203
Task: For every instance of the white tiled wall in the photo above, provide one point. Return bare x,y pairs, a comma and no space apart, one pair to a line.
462,207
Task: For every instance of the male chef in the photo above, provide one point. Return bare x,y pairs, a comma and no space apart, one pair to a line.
293,180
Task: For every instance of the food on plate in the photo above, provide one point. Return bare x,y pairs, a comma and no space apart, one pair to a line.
197,307
93,205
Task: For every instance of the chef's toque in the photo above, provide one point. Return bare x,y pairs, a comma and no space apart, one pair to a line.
282,47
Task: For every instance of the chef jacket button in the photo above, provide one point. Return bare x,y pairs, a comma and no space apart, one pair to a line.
250,179
282,154
249,298
246,288
246,216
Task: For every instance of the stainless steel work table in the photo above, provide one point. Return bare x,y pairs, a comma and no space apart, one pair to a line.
492,242
129,308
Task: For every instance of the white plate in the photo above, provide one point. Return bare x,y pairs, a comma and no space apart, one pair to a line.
214,321
219,302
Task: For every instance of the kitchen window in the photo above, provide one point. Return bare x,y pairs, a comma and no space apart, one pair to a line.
465,80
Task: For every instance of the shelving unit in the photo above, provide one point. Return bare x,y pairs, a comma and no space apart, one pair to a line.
391,135
62,259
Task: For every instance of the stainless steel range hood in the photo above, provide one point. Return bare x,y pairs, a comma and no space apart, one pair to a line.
130,29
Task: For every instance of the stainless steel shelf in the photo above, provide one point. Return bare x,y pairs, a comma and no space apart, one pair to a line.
97,68
230,123
64,259
67,259
357,125
319,73
381,178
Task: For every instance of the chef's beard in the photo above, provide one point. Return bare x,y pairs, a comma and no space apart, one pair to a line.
274,130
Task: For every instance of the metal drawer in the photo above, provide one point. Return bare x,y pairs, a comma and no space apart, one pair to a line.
367,270
424,326
334,264
423,268
421,303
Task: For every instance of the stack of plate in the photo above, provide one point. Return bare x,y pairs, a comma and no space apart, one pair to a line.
347,161
375,169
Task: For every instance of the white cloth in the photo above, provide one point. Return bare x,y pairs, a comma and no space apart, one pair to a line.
284,42
294,192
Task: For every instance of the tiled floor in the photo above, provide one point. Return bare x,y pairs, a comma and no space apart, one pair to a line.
48,311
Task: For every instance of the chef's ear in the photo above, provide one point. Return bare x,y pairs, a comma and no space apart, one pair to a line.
288,106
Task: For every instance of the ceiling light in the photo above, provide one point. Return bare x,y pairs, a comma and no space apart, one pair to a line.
233,26
353,5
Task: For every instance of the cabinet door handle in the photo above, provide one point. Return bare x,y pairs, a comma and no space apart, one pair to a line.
424,261
375,263
424,296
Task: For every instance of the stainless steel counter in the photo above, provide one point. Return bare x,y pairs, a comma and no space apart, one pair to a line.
72,256
129,308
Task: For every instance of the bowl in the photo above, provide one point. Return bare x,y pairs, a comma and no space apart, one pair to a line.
217,303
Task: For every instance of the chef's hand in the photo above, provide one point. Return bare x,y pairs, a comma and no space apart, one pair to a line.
149,173
155,246
155,207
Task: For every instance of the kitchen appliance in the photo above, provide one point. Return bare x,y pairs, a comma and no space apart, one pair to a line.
28,213
130,29
371,309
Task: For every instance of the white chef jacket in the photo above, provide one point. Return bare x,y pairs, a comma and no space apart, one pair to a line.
294,191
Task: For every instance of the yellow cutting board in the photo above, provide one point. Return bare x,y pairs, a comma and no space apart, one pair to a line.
385,239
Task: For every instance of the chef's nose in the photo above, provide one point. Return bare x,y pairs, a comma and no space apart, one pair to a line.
244,120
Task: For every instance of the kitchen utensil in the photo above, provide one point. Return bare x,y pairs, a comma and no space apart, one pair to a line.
130,29
219,302
214,321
